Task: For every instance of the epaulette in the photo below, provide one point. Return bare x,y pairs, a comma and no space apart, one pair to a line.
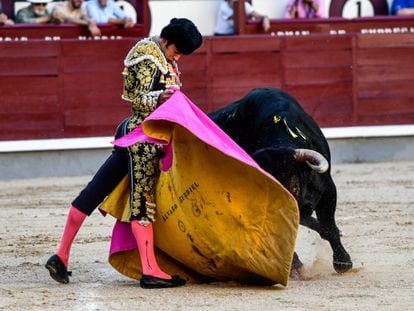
147,49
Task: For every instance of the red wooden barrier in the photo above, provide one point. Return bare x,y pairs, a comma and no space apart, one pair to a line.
72,88
55,89
384,79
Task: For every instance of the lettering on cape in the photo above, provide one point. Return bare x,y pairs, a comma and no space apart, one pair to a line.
188,191
181,199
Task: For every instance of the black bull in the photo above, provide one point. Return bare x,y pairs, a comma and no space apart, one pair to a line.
286,142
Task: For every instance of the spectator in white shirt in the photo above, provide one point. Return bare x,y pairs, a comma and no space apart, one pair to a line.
107,12
225,18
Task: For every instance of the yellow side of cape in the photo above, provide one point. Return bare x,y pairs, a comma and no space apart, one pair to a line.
217,217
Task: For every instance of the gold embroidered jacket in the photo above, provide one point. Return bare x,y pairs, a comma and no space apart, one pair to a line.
146,74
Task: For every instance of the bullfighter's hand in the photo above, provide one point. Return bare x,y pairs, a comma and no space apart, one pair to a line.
164,96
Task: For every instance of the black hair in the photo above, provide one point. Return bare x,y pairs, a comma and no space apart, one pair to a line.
184,34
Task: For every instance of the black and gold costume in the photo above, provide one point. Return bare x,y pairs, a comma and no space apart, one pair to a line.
146,75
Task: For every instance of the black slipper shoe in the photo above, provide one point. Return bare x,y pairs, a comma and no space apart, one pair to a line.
58,270
148,281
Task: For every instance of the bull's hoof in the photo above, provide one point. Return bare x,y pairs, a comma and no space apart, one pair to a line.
296,262
297,265
342,267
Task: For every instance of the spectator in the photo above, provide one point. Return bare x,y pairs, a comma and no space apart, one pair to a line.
106,11
402,7
35,13
73,12
305,9
225,18
4,20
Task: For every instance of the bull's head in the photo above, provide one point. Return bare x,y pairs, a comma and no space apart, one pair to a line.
297,169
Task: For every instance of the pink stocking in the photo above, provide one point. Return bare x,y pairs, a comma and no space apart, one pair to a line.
73,223
144,235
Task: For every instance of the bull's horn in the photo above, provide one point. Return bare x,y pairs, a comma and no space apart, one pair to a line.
314,159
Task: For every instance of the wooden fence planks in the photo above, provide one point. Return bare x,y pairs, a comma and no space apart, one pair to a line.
384,78
21,49
72,88
29,66
330,105
241,44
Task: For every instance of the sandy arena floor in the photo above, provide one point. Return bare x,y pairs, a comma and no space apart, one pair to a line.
375,213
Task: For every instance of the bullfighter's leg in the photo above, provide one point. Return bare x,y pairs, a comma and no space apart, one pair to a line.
325,212
144,170
114,169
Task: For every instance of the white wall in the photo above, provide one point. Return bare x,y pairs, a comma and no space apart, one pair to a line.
203,12
271,8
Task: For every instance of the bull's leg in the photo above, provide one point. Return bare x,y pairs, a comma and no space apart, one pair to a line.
297,264
310,222
325,212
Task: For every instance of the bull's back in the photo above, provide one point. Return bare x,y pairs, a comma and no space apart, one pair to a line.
270,116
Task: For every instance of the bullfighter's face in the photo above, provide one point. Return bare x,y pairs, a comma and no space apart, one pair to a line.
170,51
